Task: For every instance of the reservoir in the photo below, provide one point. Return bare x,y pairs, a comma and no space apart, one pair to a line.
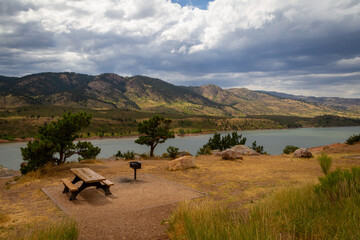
273,141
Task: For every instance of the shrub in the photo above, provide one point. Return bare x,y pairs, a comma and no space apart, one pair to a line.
340,184
129,155
325,162
119,154
205,150
172,151
225,142
353,139
290,149
259,149
145,156
181,131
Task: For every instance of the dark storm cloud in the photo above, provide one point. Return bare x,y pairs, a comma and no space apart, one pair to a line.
260,44
10,8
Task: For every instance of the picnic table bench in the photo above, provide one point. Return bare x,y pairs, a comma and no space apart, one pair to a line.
89,178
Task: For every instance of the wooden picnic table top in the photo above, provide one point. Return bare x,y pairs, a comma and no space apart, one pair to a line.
87,175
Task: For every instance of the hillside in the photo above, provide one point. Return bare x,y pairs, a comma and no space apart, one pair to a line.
111,91
247,102
350,104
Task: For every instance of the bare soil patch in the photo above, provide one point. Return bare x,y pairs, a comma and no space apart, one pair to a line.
133,211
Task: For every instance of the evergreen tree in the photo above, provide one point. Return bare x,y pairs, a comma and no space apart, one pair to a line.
56,142
154,131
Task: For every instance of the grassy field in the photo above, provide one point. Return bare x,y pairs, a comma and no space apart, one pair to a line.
294,213
273,192
23,122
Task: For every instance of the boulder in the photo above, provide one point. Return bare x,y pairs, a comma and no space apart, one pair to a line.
182,163
4,172
216,152
230,154
244,150
303,153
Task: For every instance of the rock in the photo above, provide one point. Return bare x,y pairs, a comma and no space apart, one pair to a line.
112,158
216,152
183,153
244,150
5,173
182,163
230,154
303,153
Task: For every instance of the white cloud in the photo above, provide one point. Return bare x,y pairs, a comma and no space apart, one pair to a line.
231,39
352,62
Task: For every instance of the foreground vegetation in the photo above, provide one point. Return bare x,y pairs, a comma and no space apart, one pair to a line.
22,122
329,210
67,229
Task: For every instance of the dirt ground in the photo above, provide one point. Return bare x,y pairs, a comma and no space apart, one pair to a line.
239,183
133,210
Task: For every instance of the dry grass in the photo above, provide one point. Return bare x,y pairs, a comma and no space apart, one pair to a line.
66,229
3,218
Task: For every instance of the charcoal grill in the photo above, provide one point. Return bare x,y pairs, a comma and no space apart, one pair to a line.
135,165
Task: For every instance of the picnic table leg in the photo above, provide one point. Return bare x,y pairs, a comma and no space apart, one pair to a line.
104,187
82,187
76,179
85,185
66,189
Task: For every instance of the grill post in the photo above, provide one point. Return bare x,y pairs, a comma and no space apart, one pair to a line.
135,165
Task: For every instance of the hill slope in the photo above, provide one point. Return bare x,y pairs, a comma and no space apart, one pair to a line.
105,91
111,91
250,102
336,103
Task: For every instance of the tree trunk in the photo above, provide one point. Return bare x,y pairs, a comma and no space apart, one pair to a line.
152,147
61,155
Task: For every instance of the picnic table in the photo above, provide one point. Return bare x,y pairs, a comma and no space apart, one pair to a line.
89,178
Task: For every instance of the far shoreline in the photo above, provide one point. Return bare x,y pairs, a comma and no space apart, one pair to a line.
19,140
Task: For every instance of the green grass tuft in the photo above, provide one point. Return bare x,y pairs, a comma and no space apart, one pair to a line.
325,162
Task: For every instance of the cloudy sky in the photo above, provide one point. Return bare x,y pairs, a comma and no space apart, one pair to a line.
297,46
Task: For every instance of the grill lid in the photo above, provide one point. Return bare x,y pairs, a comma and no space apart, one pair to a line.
135,165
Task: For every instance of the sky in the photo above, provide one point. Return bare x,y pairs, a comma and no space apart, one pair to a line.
301,47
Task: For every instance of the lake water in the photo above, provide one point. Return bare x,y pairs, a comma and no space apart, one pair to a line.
273,141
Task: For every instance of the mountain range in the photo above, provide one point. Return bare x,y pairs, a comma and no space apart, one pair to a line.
111,91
